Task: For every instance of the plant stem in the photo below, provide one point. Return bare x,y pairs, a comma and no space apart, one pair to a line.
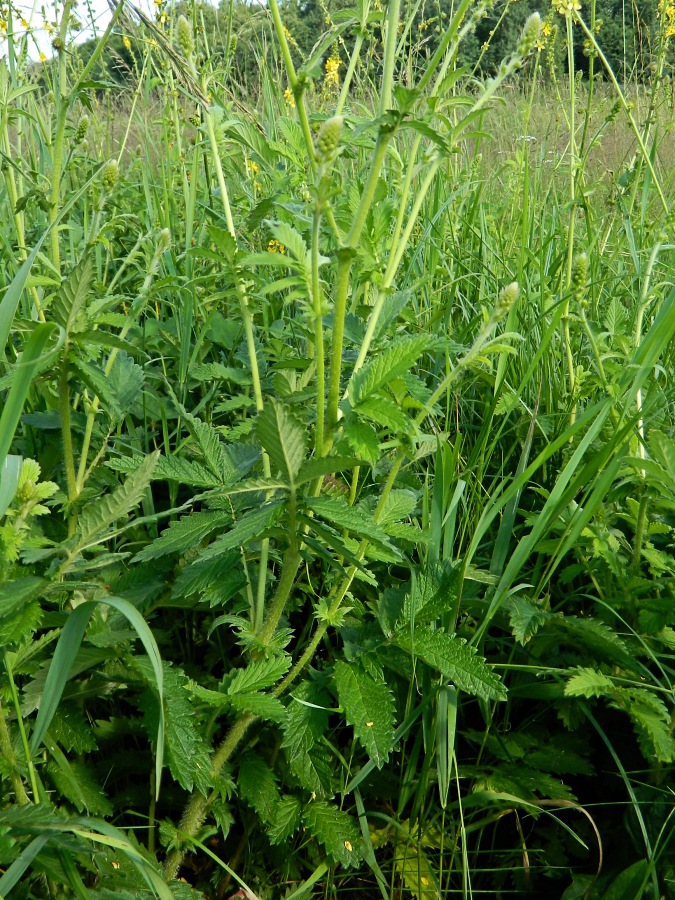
7,751
317,303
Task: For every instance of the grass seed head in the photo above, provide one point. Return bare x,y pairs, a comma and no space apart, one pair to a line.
507,297
530,35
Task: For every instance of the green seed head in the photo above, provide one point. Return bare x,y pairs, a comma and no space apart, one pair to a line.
81,130
530,35
507,297
328,138
579,275
185,39
163,241
110,176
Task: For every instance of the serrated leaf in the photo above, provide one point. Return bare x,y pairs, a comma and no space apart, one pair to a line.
327,465
286,820
215,371
75,782
19,591
354,519
369,708
390,364
291,239
250,525
216,579
125,381
258,786
362,438
385,413
587,682
432,592
68,307
213,450
456,660
335,830
96,518
185,534
303,729
186,753
399,505
525,618
259,675
265,706
283,437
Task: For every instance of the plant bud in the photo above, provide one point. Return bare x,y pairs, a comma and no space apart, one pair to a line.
507,297
185,40
163,241
530,35
328,138
81,130
110,175
579,273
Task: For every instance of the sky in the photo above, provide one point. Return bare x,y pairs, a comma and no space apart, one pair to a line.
38,12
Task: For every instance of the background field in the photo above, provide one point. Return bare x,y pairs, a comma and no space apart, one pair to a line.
337,453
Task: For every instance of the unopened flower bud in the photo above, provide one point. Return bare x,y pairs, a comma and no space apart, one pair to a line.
507,297
529,37
81,130
579,275
110,175
163,240
328,138
185,39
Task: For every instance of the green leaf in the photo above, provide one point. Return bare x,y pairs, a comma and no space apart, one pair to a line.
390,364
187,755
258,787
19,591
286,820
75,781
456,660
283,437
303,730
96,518
630,884
125,380
251,525
32,357
369,707
217,580
362,438
351,518
587,682
386,414
69,305
525,617
185,534
399,505
335,830
10,473
66,652
259,675
265,706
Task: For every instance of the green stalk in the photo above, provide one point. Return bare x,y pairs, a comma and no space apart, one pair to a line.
391,34
22,732
59,135
353,59
297,87
66,433
345,256
571,379
7,751
317,300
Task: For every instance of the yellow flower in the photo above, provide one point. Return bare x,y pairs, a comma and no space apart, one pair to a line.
546,29
566,7
332,77
252,167
276,246
289,98
126,42
24,23
666,10
3,24
43,58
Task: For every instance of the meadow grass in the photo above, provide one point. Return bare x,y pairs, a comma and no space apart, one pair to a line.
337,474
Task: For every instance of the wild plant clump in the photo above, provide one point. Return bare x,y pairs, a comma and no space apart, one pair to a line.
337,461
